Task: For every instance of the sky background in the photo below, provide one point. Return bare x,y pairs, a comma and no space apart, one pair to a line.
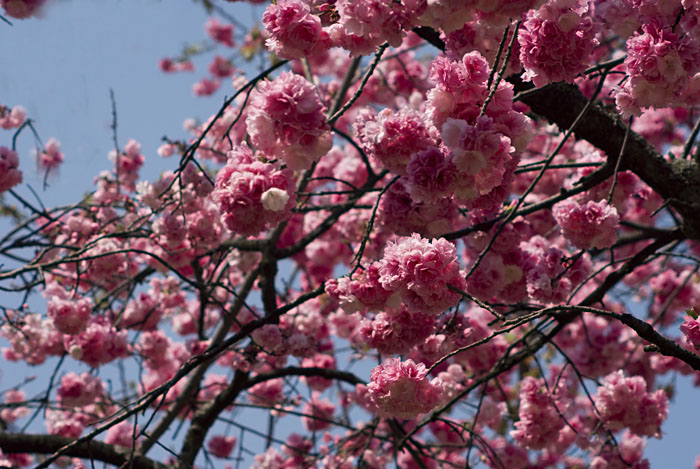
61,69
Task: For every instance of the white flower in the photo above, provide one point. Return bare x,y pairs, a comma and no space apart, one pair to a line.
275,199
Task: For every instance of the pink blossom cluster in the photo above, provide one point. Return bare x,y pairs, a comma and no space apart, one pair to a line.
479,152
168,65
662,66
221,446
122,434
425,273
12,413
401,214
10,175
397,332
378,21
98,344
540,420
127,164
293,31
221,33
286,121
545,278
51,156
205,87
79,390
253,195
12,118
362,291
31,337
318,413
402,390
624,402
556,41
22,9
69,315
596,345
691,331
588,225
393,136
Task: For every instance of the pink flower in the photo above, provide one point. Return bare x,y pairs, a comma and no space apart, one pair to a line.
431,175
397,332
625,403
10,119
220,446
98,344
293,30
268,393
21,9
556,41
11,413
691,331
318,413
220,68
122,434
393,136
286,121
205,87
377,21
540,422
402,390
589,225
222,33
240,193
423,272
10,176
51,157
69,316
659,63
79,390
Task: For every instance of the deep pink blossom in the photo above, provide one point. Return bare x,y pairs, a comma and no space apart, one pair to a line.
10,176
22,9
252,195
286,121
624,402
293,30
221,446
589,225
222,33
402,390
425,273
556,41
540,421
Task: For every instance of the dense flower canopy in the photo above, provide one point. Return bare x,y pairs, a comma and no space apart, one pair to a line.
420,234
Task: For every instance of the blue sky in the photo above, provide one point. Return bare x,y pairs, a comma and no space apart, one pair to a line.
62,67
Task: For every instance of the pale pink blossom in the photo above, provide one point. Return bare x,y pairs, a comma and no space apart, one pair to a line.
205,87
12,118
